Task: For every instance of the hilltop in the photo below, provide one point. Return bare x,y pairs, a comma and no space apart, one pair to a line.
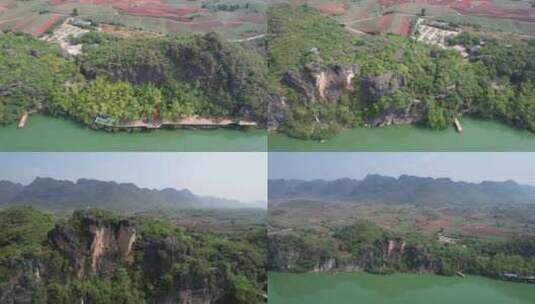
405,189
63,196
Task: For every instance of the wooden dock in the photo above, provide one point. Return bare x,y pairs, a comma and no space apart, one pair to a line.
458,126
23,119
190,121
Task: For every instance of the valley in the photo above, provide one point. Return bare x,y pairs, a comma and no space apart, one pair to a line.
408,224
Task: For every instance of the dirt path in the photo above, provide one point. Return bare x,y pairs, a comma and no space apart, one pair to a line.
249,38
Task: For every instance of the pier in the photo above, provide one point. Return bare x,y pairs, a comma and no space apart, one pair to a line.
511,276
23,119
458,126
190,121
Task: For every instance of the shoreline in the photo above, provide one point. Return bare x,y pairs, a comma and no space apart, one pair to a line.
187,123
466,275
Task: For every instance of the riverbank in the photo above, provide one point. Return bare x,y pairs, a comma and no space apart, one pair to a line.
186,122
44,133
477,135
342,288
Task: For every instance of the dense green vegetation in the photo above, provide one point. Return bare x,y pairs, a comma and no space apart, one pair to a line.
133,78
166,260
367,247
294,33
397,76
32,69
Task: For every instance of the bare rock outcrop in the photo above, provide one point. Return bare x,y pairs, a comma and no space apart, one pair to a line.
414,112
322,83
373,88
102,244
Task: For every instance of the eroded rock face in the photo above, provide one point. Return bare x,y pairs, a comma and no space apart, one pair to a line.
25,279
373,88
278,110
320,83
413,113
103,243
159,256
332,81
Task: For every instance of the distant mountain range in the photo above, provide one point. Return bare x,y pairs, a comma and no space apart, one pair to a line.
402,190
62,195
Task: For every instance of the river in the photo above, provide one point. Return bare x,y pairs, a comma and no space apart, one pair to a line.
352,288
43,133
478,135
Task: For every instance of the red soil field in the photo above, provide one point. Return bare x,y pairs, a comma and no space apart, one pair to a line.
436,225
256,18
376,25
487,9
333,9
205,26
440,2
385,21
148,8
482,8
404,27
393,2
23,25
157,10
480,229
45,25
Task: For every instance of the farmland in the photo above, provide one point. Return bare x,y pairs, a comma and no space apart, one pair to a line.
396,16
236,19
322,216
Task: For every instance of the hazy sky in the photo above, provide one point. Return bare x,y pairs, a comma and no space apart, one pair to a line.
470,167
227,175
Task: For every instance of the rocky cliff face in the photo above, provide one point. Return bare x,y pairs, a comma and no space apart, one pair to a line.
26,277
278,110
297,257
414,112
374,87
322,83
159,256
318,83
96,256
98,248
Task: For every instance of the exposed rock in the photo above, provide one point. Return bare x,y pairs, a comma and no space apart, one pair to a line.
277,112
415,112
160,254
320,83
333,80
104,243
299,83
373,88
25,279
326,265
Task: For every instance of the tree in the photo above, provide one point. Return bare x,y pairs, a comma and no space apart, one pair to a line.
422,12
74,12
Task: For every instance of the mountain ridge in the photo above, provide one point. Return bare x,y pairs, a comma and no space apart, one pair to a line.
59,195
375,188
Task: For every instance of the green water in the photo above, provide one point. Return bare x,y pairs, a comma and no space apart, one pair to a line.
43,133
477,136
355,288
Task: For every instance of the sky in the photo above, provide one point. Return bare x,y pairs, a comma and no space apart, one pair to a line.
469,167
241,176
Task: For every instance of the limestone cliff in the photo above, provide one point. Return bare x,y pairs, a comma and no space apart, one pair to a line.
322,83
96,257
97,248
